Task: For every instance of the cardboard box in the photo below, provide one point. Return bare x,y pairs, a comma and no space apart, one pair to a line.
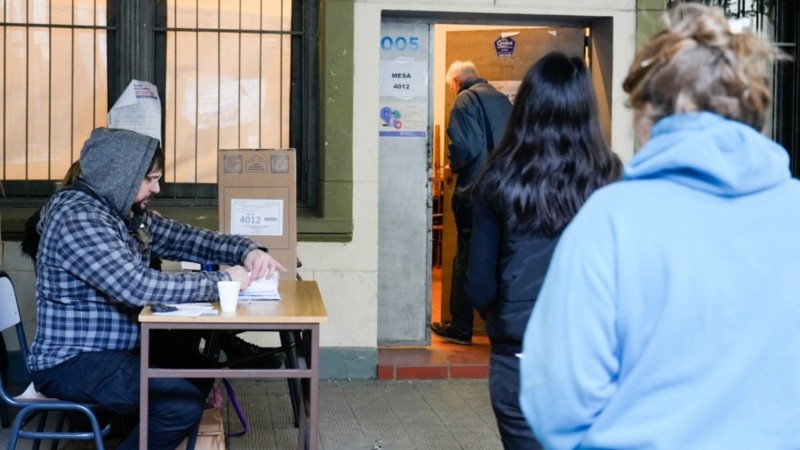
211,435
258,199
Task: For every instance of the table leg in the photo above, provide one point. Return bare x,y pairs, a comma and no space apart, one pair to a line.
144,386
309,420
302,430
308,346
303,435
289,344
314,388
211,349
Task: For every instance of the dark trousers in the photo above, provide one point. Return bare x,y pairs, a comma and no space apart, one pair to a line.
504,392
111,379
460,307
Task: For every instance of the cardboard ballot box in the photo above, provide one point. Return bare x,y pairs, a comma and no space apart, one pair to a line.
258,199
211,434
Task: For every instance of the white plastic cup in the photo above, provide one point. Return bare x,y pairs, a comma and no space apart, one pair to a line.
228,295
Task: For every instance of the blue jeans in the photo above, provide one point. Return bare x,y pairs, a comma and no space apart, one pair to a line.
111,379
504,392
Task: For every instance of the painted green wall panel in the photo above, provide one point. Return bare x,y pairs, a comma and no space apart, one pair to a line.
651,4
336,90
648,23
338,199
348,363
648,19
336,116
335,363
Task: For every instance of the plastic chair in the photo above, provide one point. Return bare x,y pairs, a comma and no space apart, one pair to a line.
31,404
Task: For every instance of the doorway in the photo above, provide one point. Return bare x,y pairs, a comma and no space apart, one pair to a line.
416,229
502,56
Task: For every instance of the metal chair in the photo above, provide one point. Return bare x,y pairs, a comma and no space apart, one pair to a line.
5,421
33,405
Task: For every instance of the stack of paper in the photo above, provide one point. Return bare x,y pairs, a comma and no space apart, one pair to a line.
262,289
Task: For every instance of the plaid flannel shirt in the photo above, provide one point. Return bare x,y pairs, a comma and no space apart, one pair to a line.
92,278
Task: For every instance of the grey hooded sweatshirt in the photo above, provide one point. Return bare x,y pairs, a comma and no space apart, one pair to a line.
113,164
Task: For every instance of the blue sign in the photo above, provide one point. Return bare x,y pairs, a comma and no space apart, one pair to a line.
504,46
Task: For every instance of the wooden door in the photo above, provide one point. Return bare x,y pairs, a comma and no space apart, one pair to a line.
504,70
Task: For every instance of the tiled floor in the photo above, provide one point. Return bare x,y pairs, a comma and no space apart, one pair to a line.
441,359
452,414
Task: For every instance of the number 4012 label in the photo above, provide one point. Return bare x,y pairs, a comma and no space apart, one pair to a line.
257,217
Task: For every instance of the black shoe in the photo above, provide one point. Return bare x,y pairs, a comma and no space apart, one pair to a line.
448,332
242,354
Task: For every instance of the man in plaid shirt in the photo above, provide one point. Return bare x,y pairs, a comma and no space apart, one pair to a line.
93,278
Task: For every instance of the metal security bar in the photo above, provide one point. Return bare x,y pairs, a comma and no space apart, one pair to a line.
227,82
53,88
230,75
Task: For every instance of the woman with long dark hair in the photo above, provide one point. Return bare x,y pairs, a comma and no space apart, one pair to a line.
551,158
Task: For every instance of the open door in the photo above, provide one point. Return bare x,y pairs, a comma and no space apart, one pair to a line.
502,57
404,210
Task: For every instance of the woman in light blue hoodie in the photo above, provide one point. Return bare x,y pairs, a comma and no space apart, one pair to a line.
670,314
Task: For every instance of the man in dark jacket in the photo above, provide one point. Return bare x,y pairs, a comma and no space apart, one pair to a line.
477,122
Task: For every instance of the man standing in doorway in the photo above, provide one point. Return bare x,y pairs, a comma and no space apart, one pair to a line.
477,122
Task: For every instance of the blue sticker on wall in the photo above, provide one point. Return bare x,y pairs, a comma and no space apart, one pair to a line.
504,46
391,118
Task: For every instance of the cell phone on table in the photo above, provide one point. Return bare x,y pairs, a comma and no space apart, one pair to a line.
163,307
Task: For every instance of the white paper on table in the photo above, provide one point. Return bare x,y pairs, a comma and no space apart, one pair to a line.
189,310
262,289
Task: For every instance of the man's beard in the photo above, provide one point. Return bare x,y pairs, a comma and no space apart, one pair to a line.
139,208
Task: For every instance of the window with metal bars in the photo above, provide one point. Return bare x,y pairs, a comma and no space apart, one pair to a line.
230,75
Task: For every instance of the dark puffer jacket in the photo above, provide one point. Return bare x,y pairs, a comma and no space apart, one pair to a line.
469,140
477,123
506,271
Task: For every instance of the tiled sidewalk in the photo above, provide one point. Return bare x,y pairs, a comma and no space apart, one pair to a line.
367,414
